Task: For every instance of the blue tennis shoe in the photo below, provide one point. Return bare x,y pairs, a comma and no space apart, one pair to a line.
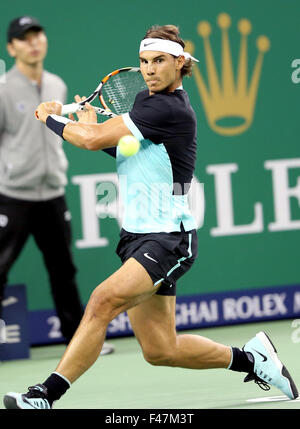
268,369
35,398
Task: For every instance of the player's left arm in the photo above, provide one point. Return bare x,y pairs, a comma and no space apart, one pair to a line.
86,135
96,136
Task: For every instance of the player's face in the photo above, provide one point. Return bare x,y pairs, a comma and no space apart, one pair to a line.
161,71
31,49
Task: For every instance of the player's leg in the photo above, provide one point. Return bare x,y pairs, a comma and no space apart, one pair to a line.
51,229
171,256
127,287
154,325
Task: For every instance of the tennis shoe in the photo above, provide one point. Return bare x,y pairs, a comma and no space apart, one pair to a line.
268,369
107,349
35,398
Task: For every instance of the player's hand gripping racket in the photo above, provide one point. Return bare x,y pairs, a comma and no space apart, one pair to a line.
116,93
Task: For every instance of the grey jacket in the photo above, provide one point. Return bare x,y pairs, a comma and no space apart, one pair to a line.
33,164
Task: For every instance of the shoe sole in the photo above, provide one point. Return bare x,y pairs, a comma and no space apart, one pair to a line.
10,403
107,349
15,401
273,353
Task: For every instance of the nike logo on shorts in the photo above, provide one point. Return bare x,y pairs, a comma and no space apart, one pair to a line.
149,257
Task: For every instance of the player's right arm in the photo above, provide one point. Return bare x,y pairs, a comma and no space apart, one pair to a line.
91,136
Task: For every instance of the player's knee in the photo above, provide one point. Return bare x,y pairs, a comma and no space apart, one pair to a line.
101,305
159,357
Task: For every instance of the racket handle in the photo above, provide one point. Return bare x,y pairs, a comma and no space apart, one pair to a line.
36,112
70,108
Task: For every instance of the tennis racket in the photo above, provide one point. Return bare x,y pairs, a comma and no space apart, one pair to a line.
116,93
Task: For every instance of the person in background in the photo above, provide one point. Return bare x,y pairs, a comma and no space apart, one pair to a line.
33,170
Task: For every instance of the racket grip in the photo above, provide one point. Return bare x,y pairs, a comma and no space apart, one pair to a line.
70,108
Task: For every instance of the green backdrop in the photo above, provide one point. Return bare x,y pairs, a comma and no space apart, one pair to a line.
89,39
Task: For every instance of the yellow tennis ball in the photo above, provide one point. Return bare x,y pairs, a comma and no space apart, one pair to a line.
128,145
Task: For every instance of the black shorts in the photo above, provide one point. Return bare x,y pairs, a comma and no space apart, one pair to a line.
165,256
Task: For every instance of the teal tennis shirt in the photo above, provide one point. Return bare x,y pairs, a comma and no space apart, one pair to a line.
155,182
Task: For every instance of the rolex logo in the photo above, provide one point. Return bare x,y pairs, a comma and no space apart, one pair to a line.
229,97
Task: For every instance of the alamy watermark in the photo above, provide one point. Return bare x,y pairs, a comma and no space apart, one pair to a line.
155,200
295,76
295,337
2,71
2,332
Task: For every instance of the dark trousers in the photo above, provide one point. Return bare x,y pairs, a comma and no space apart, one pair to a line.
48,222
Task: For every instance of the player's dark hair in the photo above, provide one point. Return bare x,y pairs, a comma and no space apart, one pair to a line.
170,32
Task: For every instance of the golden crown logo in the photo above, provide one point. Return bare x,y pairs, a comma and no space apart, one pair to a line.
226,99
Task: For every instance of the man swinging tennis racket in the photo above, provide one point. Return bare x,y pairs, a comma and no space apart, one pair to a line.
156,250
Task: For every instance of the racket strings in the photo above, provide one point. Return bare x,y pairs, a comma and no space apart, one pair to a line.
119,91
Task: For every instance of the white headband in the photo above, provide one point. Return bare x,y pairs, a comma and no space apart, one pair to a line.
163,45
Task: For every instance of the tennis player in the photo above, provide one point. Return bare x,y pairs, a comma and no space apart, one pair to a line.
157,245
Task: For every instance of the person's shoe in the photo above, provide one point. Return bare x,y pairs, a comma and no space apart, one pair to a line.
35,398
107,349
268,369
